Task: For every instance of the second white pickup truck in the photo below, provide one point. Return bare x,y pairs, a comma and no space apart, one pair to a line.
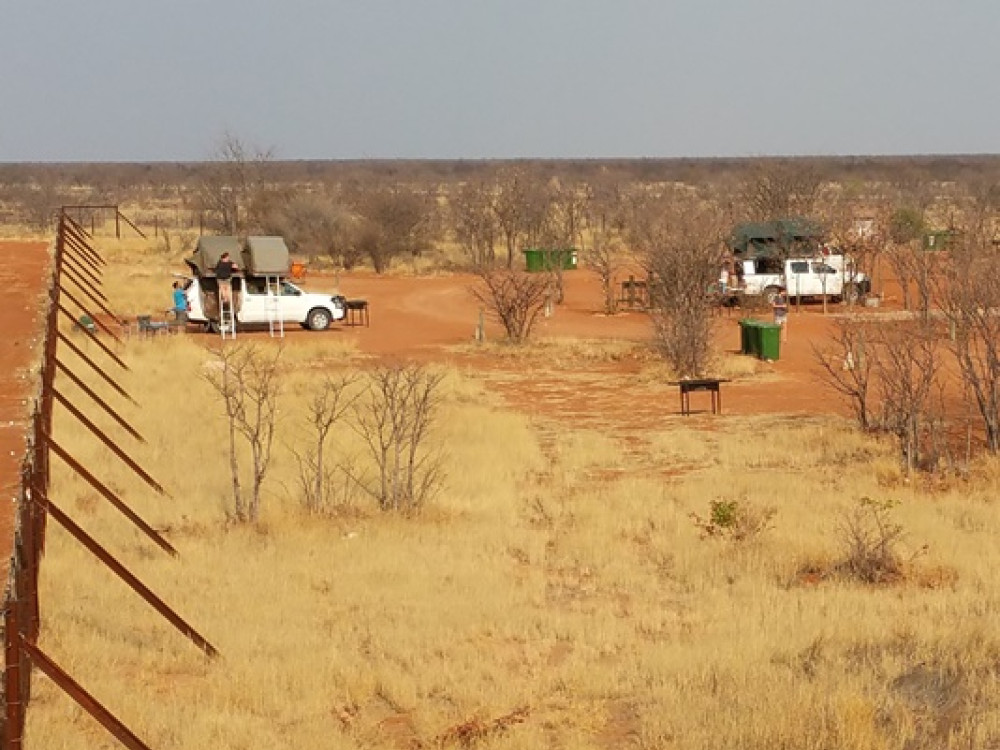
831,276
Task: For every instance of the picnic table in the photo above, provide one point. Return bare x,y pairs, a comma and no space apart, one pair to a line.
712,385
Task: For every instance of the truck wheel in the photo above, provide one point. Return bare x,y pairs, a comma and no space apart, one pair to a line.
770,293
851,294
318,319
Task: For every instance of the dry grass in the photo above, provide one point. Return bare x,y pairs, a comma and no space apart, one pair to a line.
557,594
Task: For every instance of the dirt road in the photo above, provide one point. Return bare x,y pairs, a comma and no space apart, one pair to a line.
24,276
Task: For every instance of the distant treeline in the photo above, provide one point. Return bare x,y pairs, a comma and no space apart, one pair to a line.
114,179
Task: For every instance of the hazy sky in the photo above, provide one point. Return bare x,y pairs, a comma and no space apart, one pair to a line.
110,80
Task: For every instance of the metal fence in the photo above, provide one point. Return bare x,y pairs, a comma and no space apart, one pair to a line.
78,265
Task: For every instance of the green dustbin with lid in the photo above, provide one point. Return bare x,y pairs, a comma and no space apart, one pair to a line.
534,261
747,333
770,341
538,259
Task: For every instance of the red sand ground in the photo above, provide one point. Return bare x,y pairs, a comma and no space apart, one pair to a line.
430,318
24,276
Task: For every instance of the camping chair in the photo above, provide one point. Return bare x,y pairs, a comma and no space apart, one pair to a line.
149,327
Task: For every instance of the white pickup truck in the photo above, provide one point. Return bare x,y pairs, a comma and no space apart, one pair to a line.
254,304
830,276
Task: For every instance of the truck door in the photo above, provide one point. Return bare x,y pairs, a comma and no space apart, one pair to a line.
798,279
294,304
831,283
254,307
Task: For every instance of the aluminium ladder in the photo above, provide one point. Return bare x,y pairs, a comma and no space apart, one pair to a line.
227,313
275,320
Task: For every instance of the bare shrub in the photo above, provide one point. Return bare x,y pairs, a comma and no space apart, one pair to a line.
869,543
603,257
514,298
849,365
681,241
907,369
317,475
394,419
247,382
971,303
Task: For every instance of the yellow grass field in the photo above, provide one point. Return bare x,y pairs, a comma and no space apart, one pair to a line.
557,593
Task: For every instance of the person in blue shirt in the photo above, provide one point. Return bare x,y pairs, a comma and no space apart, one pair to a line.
180,302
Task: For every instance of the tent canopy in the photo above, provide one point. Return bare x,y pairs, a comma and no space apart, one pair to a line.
266,256
210,249
755,239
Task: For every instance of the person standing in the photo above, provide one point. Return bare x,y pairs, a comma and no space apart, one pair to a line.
224,271
780,306
180,302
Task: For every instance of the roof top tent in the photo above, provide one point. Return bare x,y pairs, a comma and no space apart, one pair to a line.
783,237
266,256
209,250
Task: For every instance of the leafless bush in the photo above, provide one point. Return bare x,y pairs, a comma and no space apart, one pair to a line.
907,369
869,541
394,419
849,365
514,298
247,382
603,257
681,240
317,474
970,296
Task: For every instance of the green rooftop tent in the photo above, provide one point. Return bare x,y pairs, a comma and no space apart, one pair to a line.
776,238
266,256
209,250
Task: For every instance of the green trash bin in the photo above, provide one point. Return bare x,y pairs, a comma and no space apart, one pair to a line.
567,258
534,261
770,341
549,259
746,334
